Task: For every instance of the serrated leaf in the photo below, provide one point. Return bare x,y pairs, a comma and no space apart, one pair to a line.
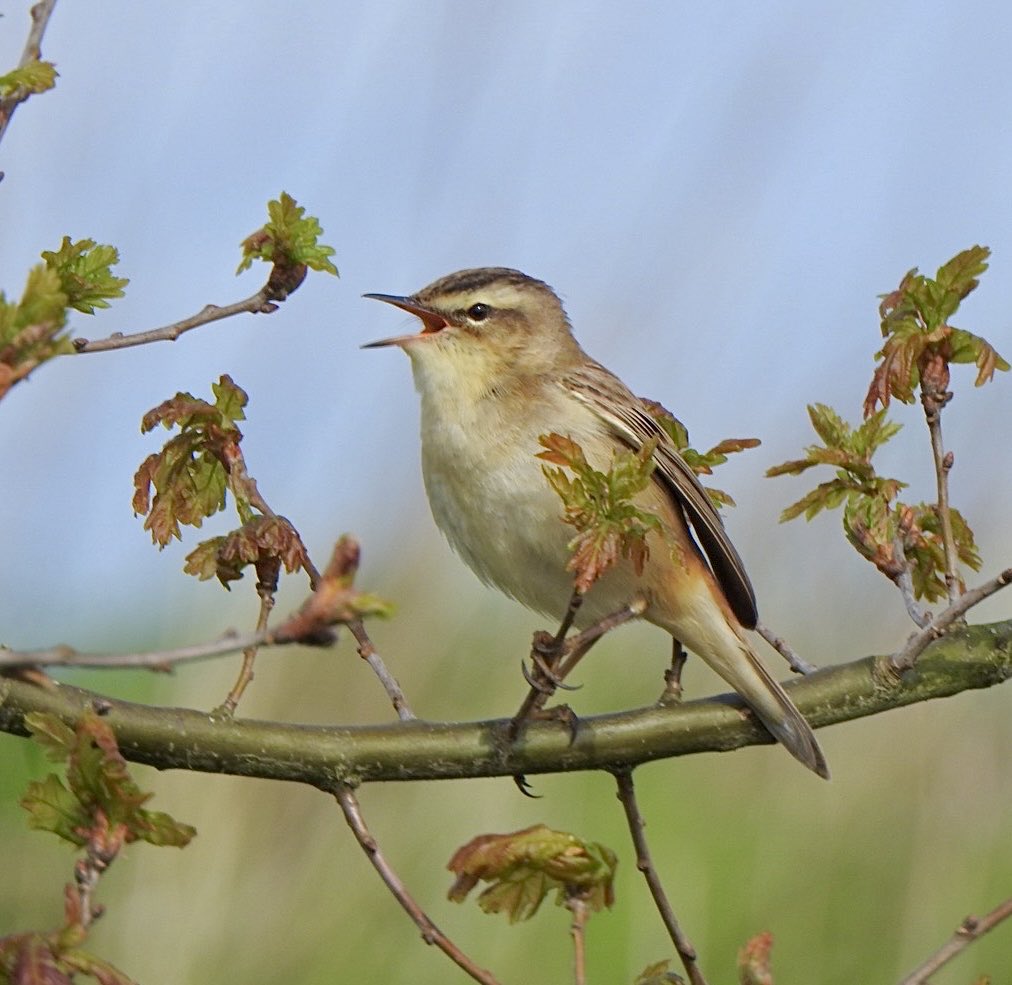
523,867
189,474
52,807
960,274
230,399
825,496
290,238
100,803
85,272
600,506
828,425
259,539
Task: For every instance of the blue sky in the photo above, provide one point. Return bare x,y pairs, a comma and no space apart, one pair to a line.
718,191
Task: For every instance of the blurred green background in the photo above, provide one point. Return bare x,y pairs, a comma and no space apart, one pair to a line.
719,192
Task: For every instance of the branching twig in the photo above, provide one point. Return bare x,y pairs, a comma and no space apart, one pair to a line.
968,931
967,657
907,657
367,651
794,661
431,934
263,302
41,12
687,953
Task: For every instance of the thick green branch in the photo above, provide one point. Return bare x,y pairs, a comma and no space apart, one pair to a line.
173,738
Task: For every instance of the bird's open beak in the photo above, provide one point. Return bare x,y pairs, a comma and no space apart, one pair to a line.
431,321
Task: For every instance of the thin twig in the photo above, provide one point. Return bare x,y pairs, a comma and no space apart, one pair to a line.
672,693
687,953
577,905
933,398
41,12
431,934
260,303
367,651
794,661
917,643
158,660
971,929
265,589
905,583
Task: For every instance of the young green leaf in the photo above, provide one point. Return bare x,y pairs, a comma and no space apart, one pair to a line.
258,540
920,343
702,463
658,974
523,867
85,272
191,473
35,77
600,506
32,330
100,803
289,240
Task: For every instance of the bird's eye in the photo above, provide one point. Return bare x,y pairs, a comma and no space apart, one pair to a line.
478,312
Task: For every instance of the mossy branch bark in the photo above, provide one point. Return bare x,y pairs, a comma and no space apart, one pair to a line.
175,738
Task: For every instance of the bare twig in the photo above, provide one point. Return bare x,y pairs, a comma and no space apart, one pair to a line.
905,583
915,646
368,653
267,585
672,693
260,303
41,12
968,931
687,953
577,905
794,661
934,397
158,660
431,934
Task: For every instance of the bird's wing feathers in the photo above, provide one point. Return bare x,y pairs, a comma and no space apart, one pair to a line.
632,424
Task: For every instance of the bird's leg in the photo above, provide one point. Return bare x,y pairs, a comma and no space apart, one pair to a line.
565,655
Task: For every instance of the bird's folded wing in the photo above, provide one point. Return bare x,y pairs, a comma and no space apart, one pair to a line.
633,424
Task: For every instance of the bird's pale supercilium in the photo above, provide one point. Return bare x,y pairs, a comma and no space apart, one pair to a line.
496,366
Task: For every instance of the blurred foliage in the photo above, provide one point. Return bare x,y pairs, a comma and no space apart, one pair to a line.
98,810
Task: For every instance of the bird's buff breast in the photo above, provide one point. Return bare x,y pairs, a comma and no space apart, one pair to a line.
491,500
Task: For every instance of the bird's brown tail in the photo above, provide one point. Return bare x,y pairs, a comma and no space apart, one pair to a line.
782,719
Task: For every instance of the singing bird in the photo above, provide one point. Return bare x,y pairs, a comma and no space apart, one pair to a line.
496,366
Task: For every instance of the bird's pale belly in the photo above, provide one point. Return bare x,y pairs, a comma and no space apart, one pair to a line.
502,517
